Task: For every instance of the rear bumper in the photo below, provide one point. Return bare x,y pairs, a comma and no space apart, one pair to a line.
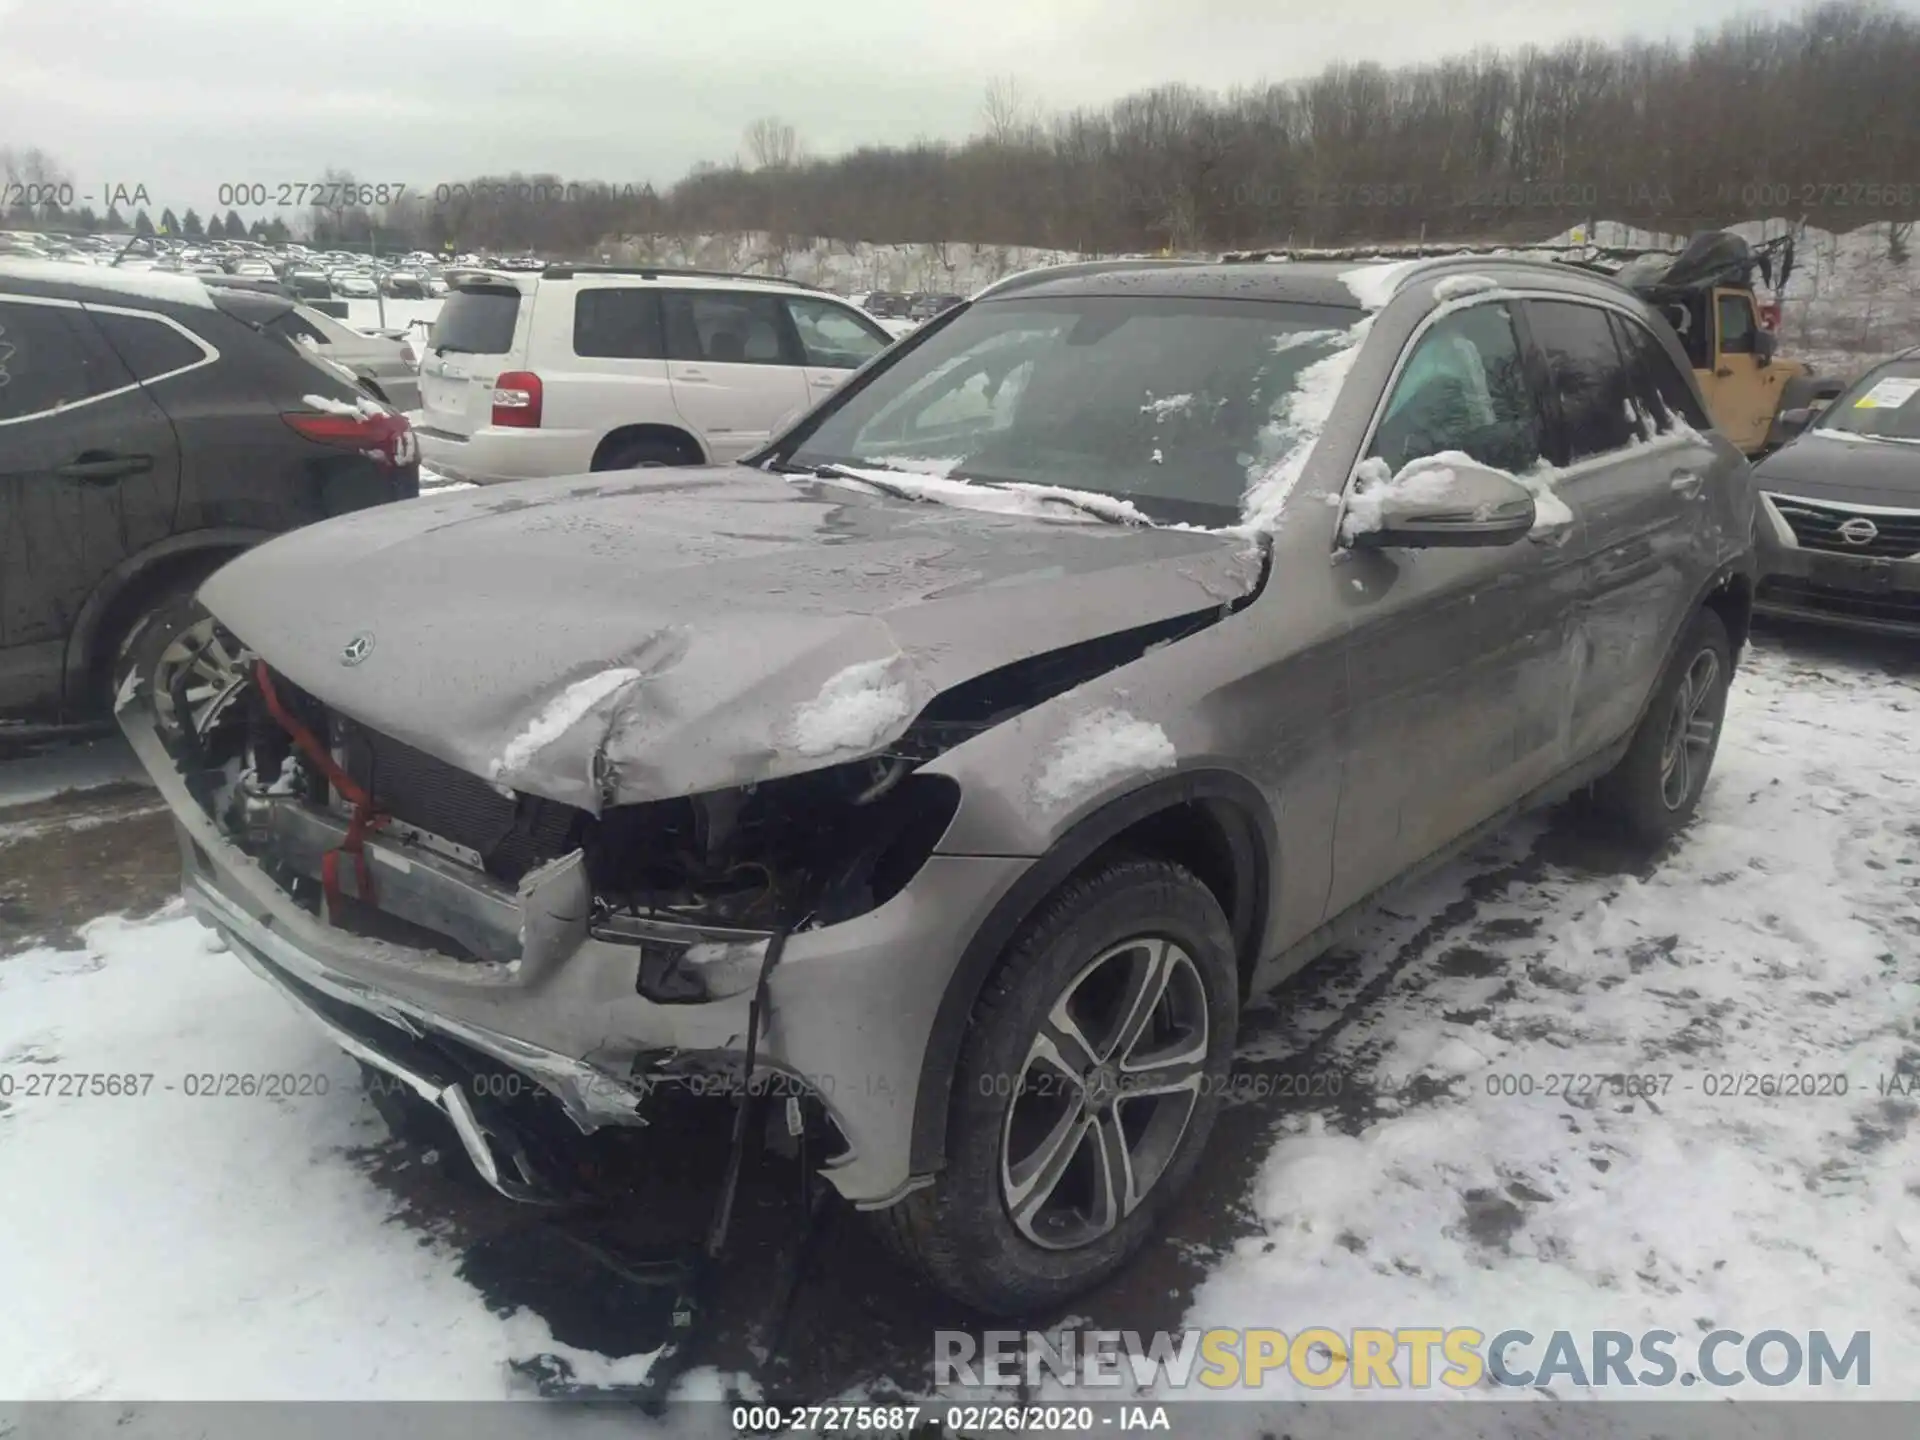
1880,596
850,1006
494,455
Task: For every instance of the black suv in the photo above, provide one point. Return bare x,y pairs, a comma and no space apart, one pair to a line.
150,430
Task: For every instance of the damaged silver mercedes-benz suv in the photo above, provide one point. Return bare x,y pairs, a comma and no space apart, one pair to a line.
964,759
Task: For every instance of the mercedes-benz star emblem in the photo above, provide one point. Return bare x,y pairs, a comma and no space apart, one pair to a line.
357,649
1859,531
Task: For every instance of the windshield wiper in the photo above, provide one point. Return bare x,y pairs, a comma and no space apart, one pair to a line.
840,472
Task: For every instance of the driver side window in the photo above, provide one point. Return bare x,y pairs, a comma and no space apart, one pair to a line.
1463,388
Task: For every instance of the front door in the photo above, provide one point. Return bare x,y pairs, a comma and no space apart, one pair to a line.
89,474
735,366
1458,658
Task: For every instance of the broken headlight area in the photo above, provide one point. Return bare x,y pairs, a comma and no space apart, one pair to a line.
698,885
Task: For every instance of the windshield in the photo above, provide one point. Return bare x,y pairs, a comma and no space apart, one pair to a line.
1175,405
1882,404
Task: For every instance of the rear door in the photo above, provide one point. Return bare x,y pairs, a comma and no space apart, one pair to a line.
480,330
89,475
620,374
1638,483
834,340
735,365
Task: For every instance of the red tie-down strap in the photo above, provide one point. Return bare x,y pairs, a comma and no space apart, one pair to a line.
365,817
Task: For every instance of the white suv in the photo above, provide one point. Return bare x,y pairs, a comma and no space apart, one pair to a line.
581,368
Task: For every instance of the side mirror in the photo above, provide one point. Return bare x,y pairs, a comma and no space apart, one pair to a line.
1793,421
1765,343
1442,501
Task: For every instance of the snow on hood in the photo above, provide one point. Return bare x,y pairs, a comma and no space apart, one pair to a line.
612,639
857,709
1099,747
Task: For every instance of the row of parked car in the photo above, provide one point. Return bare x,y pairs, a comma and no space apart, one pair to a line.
943,753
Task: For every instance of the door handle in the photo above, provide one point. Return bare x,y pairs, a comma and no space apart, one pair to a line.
826,382
1723,373
95,467
1687,482
687,372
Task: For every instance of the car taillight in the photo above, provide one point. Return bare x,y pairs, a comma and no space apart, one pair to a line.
380,435
516,400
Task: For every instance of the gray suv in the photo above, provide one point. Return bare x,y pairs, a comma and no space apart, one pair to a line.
957,765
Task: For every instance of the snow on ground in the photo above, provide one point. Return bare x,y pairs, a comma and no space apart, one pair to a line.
54,770
1782,936
180,1245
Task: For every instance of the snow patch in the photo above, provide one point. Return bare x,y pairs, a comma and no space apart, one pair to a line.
1004,497
1297,430
364,408
1161,407
1458,287
1100,746
855,710
158,285
558,716
1430,478
1373,285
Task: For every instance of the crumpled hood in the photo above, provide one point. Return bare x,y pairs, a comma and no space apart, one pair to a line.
1861,472
615,638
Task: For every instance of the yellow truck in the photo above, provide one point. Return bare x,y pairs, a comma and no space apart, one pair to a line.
1706,291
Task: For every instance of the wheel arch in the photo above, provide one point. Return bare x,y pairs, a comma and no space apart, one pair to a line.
679,437
1216,822
135,582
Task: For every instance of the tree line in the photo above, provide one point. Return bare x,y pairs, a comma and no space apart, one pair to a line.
1812,118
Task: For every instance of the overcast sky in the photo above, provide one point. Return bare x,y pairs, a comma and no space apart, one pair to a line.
182,95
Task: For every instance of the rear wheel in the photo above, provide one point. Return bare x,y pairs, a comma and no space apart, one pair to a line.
1093,1068
644,454
1654,790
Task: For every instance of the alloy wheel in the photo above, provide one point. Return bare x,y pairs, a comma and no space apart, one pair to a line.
1693,724
1105,1094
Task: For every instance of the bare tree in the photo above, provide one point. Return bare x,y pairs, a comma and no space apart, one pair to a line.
772,144
1009,114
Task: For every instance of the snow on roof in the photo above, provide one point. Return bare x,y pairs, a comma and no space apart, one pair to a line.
1373,285
160,285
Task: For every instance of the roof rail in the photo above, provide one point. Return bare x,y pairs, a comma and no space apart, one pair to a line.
1436,251
1024,278
654,272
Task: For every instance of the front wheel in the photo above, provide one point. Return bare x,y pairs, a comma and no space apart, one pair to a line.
1654,790
1093,1068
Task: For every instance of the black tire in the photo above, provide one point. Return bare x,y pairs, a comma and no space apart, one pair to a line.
1646,795
153,627
961,1232
644,455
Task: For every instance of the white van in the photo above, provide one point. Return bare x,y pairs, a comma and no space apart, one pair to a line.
582,368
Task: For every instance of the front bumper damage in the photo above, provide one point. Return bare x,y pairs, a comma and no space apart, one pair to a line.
549,995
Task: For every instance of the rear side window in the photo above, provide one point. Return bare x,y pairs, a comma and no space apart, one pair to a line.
477,321
296,327
1586,374
619,324
726,328
150,348
833,337
1661,388
50,357
1464,387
